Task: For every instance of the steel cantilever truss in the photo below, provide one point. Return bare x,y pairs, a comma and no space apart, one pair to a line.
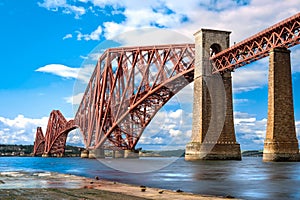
127,88
39,144
56,135
283,34
129,85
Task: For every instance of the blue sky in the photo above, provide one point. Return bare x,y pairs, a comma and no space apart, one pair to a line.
45,42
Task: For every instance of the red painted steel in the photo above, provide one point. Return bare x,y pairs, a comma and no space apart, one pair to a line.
129,85
54,142
283,34
39,144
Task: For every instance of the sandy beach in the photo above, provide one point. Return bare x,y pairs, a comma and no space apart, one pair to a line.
49,185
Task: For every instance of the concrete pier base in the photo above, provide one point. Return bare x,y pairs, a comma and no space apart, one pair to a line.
281,151
96,153
118,154
45,155
281,142
84,154
131,154
198,151
60,155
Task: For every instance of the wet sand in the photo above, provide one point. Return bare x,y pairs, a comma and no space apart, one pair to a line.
46,185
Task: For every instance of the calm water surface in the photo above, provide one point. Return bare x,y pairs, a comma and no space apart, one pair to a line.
248,179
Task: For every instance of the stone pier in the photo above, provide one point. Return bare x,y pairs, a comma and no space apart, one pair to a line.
45,155
131,154
84,154
213,135
96,153
118,154
281,142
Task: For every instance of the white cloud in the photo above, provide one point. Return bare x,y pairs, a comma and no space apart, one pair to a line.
175,133
20,130
67,36
186,17
83,57
143,36
56,5
249,129
189,16
75,138
93,57
240,101
295,59
297,124
95,35
250,77
182,19
82,74
170,129
74,100
59,70
53,4
177,114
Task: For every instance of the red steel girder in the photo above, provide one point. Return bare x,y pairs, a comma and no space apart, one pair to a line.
56,135
39,143
283,34
129,85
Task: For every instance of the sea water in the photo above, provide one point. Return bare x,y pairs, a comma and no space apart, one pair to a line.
248,179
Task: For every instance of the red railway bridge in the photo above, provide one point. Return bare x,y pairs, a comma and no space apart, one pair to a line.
130,84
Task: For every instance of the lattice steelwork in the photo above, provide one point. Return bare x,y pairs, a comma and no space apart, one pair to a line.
129,85
39,144
283,34
57,132
56,135
127,88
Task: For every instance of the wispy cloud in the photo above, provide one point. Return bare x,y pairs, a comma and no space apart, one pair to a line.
181,20
67,36
250,131
81,74
59,70
74,100
56,5
169,129
240,101
185,17
251,77
95,35
22,130
295,59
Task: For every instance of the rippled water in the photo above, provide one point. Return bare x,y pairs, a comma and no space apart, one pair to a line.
249,179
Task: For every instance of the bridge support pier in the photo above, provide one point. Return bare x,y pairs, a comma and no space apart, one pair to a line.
131,154
118,154
281,142
45,155
213,136
96,153
84,154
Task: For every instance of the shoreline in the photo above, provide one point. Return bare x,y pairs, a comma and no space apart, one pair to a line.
51,185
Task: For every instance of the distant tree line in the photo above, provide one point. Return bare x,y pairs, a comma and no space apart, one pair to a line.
26,150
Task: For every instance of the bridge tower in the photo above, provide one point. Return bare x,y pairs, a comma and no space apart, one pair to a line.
213,135
281,142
